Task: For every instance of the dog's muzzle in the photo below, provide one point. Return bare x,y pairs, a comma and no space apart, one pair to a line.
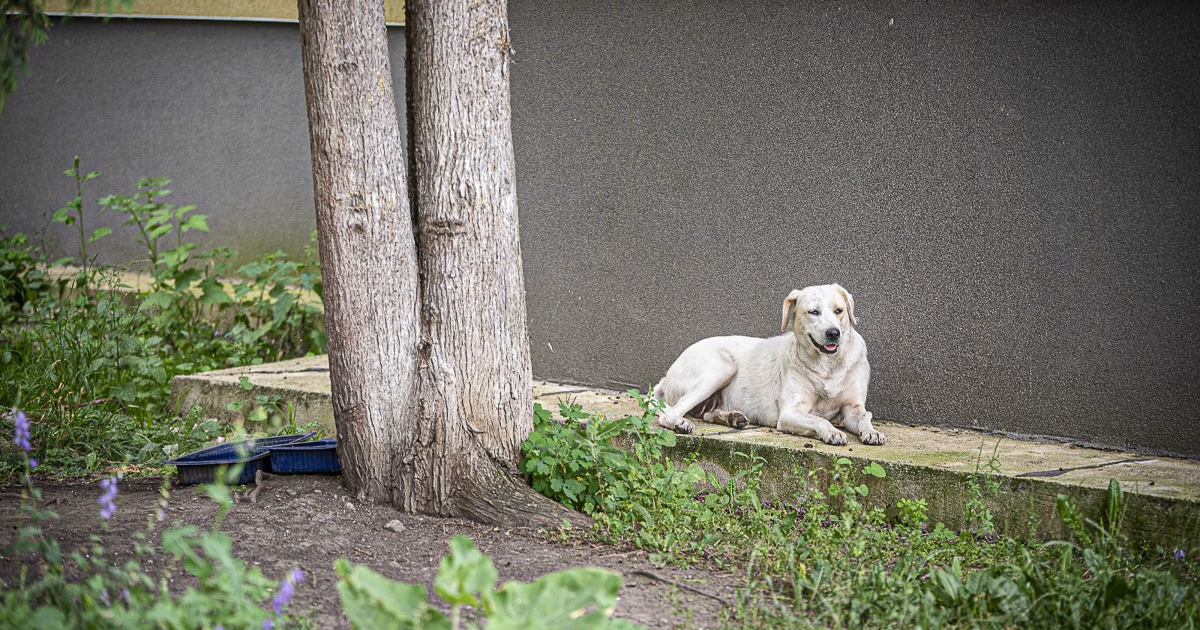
831,341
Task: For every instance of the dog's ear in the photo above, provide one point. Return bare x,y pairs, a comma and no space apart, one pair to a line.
849,303
788,304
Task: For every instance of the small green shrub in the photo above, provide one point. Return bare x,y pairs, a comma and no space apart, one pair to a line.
572,599
831,559
574,460
21,278
982,485
82,588
92,362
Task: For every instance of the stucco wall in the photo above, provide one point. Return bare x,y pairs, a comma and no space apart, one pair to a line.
1009,190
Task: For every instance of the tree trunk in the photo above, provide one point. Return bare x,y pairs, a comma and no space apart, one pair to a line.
476,383
364,229
432,387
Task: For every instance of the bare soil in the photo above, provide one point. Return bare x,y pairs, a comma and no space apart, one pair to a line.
308,521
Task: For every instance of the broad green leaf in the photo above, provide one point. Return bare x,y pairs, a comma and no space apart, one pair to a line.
279,310
185,277
213,292
372,601
47,617
98,234
875,470
464,573
194,222
158,299
574,599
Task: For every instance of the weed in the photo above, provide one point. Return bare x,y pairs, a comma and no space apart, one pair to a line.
572,599
93,367
982,485
84,589
830,559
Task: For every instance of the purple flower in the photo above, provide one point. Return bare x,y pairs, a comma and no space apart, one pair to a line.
287,588
268,624
1178,555
108,504
21,433
32,464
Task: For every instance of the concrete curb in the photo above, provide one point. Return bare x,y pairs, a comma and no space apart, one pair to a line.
1162,494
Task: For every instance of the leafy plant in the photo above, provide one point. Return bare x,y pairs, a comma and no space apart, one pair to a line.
21,278
92,592
572,599
983,484
830,559
72,214
574,460
93,367
912,512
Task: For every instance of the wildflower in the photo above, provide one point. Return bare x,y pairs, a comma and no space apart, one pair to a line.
108,504
268,624
1178,555
32,463
21,436
287,588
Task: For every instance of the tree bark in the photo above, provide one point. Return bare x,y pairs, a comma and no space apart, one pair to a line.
364,230
476,383
428,348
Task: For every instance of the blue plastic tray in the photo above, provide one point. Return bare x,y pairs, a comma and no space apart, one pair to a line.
201,466
319,456
205,470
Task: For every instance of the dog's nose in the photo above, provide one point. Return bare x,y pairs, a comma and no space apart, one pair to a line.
833,334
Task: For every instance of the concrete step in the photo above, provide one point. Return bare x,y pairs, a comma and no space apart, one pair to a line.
1162,494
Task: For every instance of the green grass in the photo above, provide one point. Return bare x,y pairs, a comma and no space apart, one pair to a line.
91,361
826,559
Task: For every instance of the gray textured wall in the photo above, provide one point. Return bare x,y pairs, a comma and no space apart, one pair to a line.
1009,189
217,107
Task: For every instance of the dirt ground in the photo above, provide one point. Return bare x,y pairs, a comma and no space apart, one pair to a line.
308,521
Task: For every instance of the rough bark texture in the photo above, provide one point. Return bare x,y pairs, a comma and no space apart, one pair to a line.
475,377
368,257
432,387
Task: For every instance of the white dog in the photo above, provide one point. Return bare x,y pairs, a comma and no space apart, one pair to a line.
795,382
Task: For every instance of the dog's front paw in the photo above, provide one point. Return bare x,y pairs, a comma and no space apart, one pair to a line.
834,438
678,424
873,438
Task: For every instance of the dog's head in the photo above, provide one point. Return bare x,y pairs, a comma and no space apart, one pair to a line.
821,315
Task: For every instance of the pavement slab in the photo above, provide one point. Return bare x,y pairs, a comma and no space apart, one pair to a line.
1162,494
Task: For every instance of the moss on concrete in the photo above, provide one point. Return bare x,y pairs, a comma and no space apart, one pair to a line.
1162,495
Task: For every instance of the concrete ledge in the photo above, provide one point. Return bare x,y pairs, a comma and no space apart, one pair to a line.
1162,494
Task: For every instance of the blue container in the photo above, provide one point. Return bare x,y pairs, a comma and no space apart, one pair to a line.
318,456
206,470
202,466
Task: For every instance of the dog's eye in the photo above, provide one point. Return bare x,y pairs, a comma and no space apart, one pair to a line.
837,311
814,312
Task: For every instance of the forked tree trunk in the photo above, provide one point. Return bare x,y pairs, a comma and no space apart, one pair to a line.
432,387
364,229
475,379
